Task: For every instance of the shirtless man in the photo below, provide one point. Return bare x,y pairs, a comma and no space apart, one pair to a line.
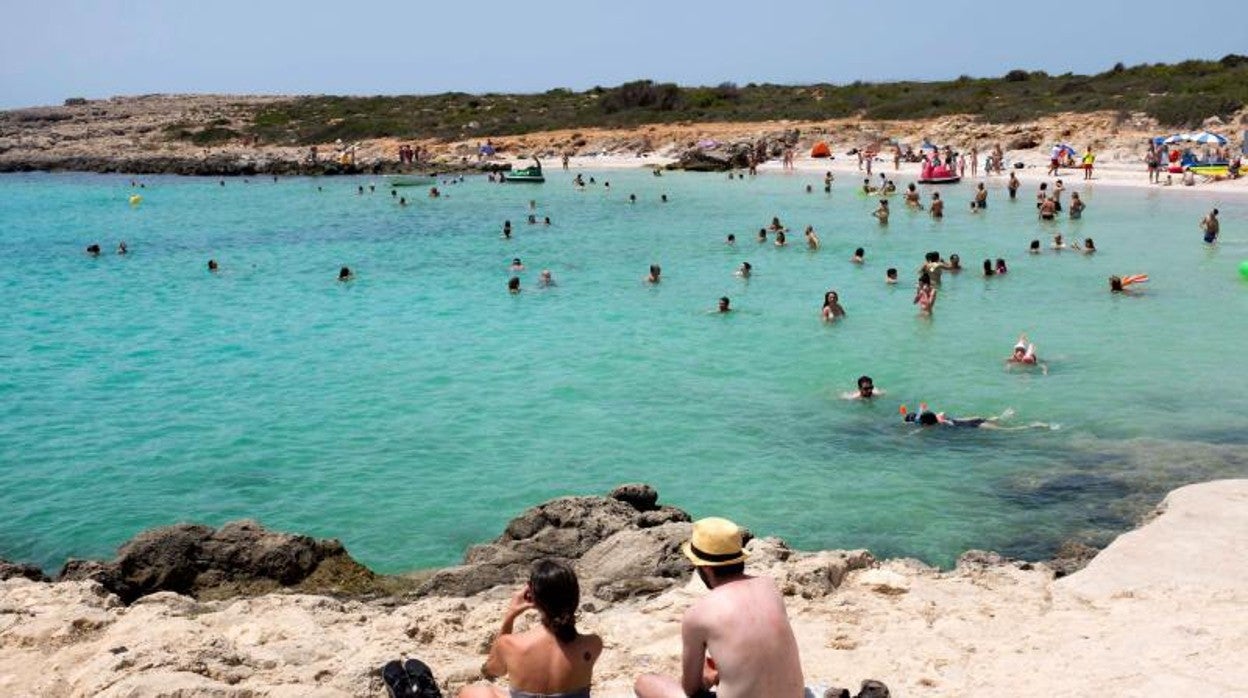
866,390
1211,226
881,213
736,640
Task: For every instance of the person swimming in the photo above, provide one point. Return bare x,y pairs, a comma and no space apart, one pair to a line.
513,285
745,270
812,240
516,264
1034,247
1024,354
890,276
762,235
775,224
1119,284
831,310
859,256
781,240
1058,243
345,274
1001,268
988,271
545,279
866,390
212,265
507,229
731,239
655,273
928,418
725,305
954,265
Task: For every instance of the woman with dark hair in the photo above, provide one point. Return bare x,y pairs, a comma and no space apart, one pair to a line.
550,659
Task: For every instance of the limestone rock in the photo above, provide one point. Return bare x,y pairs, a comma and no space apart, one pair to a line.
194,559
12,570
635,562
568,528
884,581
639,495
815,576
1071,556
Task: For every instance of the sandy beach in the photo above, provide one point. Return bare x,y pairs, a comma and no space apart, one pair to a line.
1161,610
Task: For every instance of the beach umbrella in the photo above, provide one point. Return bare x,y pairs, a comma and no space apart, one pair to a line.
1063,148
1208,138
1203,138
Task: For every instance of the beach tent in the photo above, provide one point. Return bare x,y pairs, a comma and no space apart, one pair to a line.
821,150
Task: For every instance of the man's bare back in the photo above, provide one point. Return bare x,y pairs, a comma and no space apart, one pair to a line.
736,640
742,625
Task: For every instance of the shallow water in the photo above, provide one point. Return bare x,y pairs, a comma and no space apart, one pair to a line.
413,411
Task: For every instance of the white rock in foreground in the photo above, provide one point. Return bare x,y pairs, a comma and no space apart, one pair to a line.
1162,611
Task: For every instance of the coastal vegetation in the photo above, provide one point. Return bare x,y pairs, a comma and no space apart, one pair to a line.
1180,95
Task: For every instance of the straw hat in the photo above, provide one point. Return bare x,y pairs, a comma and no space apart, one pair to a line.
715,542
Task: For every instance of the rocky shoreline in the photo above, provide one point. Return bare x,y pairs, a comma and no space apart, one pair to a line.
243,612
155,134
624,545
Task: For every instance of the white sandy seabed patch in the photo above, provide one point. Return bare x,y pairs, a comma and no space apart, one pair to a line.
1162,611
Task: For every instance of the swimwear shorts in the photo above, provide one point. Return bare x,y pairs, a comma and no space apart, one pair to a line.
1210,237
969,423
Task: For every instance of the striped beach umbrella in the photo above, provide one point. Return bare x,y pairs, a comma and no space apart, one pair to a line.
1202,137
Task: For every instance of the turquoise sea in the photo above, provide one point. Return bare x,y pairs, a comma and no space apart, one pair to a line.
413,411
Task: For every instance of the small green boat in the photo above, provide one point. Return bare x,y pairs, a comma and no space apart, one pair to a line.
411,181
526,174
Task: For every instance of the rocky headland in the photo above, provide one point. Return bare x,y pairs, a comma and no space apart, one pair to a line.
148,135
240,611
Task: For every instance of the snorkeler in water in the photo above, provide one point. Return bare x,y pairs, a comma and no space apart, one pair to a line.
927,418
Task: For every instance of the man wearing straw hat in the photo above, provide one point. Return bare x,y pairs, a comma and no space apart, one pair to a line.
737,641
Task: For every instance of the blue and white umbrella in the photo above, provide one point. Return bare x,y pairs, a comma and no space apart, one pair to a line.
1203,138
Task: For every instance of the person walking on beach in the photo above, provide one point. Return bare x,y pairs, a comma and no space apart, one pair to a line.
736,641
1088,158
1153,160
1211,226
551,658
974,161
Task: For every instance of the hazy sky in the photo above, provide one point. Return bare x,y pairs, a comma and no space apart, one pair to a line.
53,49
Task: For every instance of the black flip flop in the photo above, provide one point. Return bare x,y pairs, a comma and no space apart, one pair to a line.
421,677
396,680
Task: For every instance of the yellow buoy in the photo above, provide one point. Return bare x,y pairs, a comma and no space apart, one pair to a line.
135,199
